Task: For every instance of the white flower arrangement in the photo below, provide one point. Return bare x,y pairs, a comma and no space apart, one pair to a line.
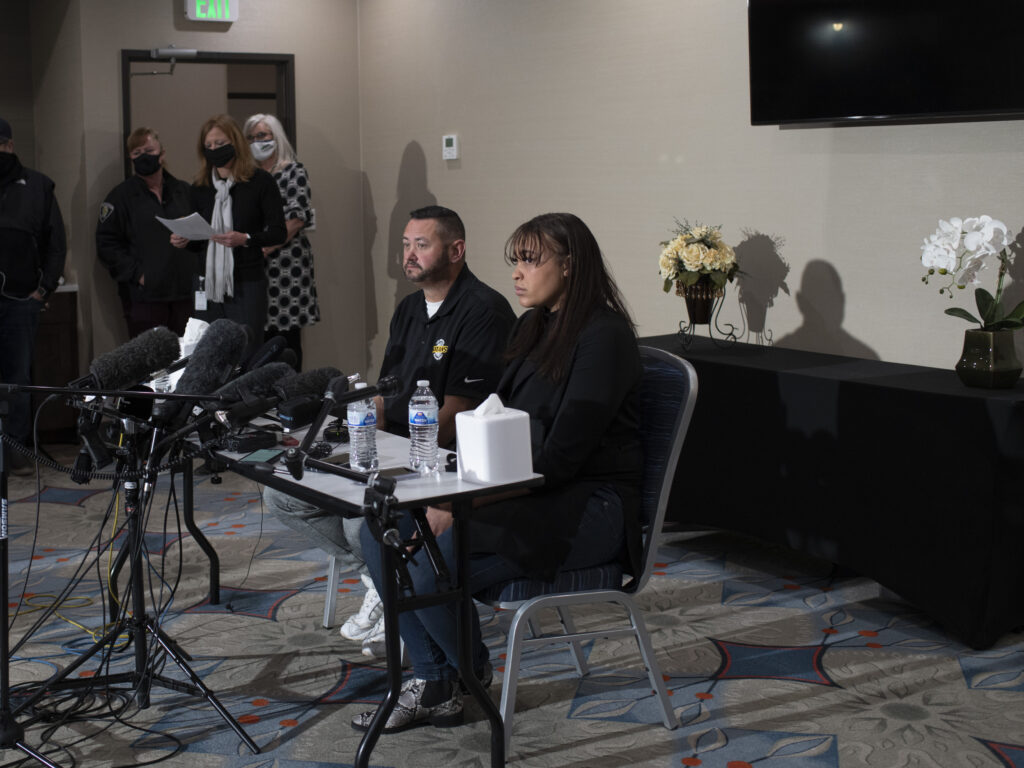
695,251
959,250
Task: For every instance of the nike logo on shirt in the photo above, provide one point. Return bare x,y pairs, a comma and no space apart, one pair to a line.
468,380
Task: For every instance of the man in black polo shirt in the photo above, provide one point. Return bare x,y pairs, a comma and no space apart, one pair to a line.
452,332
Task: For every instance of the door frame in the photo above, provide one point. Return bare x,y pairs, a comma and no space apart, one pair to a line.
284,64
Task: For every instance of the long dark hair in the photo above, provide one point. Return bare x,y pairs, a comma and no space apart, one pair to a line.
548,338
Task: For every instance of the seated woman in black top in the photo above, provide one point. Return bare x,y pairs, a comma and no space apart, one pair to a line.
241,201
574,366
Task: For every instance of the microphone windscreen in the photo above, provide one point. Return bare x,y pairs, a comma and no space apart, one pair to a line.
337,386
256,383
215,357
268,353
289,356
210,365
388,386
309,383
134,361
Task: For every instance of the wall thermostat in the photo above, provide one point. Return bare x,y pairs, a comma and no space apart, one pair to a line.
450,147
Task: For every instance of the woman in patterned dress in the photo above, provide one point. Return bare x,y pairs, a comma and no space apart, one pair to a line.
291,283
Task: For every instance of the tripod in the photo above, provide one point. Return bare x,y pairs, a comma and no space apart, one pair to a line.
138,625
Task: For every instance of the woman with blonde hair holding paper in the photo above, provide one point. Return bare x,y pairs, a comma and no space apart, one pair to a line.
574,367
242,204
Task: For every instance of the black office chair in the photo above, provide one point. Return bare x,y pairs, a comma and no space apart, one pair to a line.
668,391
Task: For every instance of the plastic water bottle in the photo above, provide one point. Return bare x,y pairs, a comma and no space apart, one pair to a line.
162,382
362,433
423,429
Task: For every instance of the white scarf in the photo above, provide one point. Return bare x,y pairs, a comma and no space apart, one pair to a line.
220,260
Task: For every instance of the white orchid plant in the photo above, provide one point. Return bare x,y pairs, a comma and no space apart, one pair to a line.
958,251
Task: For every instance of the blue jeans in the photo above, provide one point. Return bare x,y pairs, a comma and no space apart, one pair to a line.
430,633
19,319
334,534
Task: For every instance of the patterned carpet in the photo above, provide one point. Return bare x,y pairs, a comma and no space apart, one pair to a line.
773,660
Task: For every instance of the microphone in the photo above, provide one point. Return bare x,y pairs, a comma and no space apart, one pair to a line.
135,360
385,387
309,383
257,383
289,356
211,364
294,456
268,353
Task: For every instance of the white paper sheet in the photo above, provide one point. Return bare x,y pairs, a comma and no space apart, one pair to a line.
192,227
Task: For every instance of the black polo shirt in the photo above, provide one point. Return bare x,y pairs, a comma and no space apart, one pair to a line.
458,350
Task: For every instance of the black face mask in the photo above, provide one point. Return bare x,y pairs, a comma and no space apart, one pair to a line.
220,156
146,165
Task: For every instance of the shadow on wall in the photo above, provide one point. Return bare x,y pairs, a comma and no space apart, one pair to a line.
412,194
762,275
823,304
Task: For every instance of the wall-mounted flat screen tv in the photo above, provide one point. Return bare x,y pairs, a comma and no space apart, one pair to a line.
902,60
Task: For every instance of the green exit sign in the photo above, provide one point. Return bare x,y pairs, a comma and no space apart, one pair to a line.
212,10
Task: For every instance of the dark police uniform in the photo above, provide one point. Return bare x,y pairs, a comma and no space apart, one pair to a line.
459,350
131,243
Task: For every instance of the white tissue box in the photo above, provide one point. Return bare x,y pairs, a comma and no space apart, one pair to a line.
493,443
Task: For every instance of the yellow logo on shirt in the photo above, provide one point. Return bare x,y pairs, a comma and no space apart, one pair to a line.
440,349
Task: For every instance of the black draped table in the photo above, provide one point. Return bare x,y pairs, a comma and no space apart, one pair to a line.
899,472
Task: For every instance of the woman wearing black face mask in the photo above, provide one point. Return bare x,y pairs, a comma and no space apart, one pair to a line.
242,203
154,281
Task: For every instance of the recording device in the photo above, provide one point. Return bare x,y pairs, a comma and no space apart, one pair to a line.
298,412
336,432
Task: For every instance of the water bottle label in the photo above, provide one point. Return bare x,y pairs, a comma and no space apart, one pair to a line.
361,419
422,416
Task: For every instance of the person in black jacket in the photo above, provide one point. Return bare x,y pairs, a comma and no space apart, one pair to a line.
32,252
243,205
154,280
574,367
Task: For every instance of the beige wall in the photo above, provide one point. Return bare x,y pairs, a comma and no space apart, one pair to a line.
633,113
157,102
76,48
629,114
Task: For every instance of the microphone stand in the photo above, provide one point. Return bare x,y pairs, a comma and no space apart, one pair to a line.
139,625
12,733
296,457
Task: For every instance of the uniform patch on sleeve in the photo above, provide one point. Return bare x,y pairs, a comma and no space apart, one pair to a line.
105,210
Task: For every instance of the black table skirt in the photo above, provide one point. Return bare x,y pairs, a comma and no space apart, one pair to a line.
899,472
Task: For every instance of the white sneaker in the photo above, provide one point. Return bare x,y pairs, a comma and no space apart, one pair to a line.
373,641
362,623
